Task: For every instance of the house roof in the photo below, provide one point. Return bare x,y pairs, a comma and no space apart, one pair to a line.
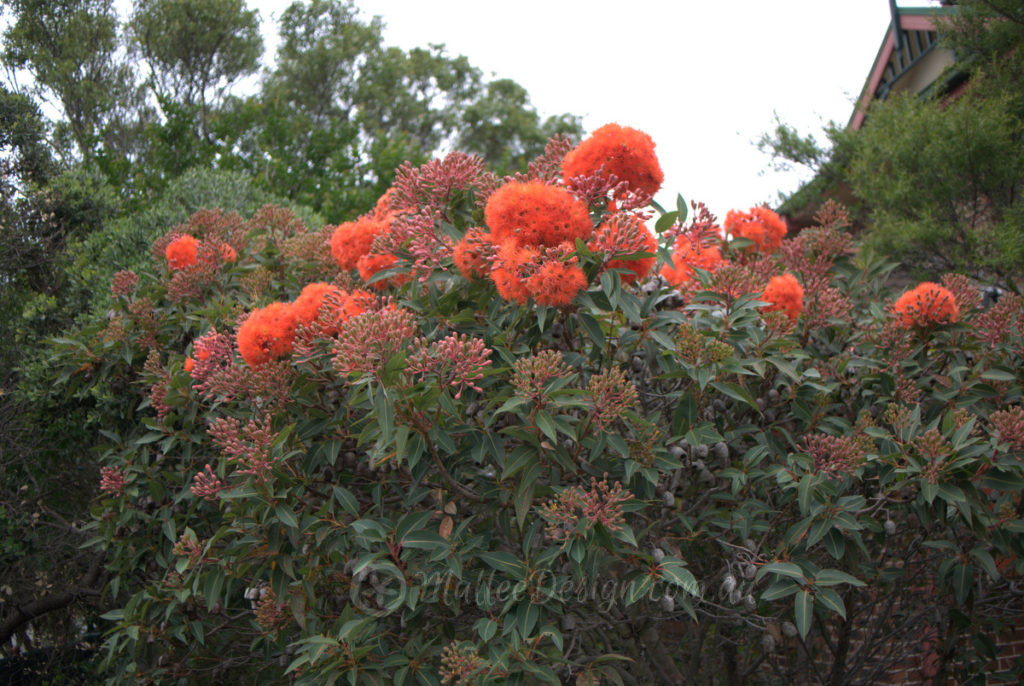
917,29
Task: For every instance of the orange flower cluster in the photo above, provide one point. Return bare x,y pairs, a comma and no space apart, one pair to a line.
688,256
471,253
556,283
371,263
532,213
352,240
182,252
269,332
625,234
227,253
627,153
784,294
925,305
186,251
550,277
762,226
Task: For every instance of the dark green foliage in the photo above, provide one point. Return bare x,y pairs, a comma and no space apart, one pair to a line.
502,127
944,184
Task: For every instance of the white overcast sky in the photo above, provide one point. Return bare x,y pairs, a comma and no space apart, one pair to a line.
703,77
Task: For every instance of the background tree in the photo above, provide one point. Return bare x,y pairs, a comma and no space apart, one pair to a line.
502,126
196,50
70,47
938,182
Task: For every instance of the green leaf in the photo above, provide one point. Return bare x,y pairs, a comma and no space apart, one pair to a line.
1002,480
780,589
487,628
830,599
665,222
638,588
674,573
963,576
783,568
527,615
524,492
411,523
506,563
385,413
984,558
346,500
998,375
681,208
803,608
736,392
286,516
593,329
833,577
547,425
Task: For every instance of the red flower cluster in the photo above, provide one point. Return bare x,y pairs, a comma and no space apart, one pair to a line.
621,151
625,234
688,256
371,263
535,214
471,254
925,305
765,228
556,283
182,252
352,240
267,333
784,294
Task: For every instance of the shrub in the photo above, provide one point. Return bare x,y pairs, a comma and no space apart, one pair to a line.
452,482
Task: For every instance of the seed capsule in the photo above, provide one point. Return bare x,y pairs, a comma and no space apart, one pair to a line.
789,629
668,499
729,584
890,527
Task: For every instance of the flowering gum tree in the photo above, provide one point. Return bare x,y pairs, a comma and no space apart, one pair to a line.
557,434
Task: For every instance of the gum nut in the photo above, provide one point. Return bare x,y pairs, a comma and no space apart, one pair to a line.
890,527
668,603
735,597
789,628
677,451
773,396
749,571
702,451
749,544
472,409
637,364
668,499
749,603
568,622
658,555
718,404
728,583
707,476
762,404
770,414
709,414
721,450
699,465
767,642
